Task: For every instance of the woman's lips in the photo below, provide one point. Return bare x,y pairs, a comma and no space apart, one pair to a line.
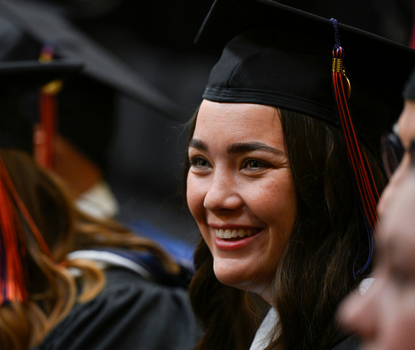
235,238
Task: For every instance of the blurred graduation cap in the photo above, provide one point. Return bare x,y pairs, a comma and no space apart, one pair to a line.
17,78
87,103
280,56
16,131
48,26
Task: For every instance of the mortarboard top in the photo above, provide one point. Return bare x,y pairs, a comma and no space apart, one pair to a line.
49,27
280,56
16,79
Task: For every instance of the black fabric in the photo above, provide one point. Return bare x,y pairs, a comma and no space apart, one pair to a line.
87,117
409,90
281,56
15,130
130,313
392,19
350,343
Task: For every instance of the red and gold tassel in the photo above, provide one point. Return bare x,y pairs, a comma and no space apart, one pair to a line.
367,191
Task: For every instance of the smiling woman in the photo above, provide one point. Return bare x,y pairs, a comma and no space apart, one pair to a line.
241,191
281,211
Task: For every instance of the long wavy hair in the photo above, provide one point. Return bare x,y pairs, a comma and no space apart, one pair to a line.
327,245
53,291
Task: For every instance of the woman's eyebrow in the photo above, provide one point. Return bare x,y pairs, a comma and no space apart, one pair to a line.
198,144
243,147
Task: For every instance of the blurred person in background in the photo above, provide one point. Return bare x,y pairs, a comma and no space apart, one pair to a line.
67,280
88,109
385,316
87,105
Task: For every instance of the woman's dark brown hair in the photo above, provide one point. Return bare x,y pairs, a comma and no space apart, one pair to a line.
327,245
53,291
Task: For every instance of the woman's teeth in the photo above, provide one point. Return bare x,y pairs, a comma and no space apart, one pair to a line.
229,234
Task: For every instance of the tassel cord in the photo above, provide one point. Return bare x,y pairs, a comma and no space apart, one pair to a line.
365,189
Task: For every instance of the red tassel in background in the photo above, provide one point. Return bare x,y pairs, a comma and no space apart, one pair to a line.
12,248
48,111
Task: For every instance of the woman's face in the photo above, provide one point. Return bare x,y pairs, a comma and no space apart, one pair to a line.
241,192
385,316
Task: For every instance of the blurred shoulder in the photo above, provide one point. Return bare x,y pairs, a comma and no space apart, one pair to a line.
130,313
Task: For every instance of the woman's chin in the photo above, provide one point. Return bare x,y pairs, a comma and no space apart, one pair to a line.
238,276
229,275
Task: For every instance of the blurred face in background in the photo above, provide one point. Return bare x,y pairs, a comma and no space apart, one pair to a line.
385,316
241,192
400,167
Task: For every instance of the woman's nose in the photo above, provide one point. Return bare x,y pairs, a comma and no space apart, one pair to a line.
223,194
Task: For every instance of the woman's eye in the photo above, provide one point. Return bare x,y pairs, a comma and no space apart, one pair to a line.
199,162
254,164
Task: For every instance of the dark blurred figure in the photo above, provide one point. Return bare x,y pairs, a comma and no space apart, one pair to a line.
67,280
384,317
82,283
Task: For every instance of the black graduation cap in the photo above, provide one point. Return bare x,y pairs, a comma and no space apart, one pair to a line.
18,78
280,56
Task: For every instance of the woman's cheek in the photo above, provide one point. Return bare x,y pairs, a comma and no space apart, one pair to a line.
194,196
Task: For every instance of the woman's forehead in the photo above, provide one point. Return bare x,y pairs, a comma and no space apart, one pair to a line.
248,114
238,120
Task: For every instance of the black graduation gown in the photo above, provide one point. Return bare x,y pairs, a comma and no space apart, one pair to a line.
130,313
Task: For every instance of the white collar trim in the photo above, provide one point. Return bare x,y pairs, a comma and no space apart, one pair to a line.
107,259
